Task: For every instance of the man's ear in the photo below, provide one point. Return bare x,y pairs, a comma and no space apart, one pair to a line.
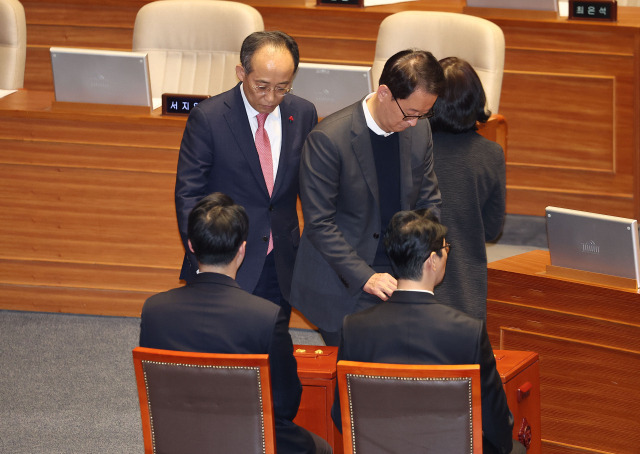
240,73
430,263
242,250
190,246
383,92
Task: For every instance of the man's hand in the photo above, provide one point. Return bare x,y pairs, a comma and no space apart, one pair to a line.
381,285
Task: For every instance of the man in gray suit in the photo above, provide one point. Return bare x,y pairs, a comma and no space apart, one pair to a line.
360,166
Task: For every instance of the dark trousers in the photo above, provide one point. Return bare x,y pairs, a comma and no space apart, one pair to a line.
268,286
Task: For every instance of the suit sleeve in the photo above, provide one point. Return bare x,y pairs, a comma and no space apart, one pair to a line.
285,384
497,420
194,164
320,189
429,196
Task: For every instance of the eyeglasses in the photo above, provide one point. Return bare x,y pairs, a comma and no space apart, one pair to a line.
446,247
414,117
262,90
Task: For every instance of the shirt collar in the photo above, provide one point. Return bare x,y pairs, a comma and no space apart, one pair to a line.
371,123
414,290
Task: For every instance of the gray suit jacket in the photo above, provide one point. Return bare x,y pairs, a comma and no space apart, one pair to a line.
340,203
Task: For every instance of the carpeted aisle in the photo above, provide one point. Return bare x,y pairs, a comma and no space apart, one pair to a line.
67,383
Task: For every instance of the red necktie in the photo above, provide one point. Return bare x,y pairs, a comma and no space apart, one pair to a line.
266,161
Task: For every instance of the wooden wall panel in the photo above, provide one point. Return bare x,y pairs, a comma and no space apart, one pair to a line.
72,300
559,106
73,214
578,378
588,339
74,276
572,144
88,218
571,89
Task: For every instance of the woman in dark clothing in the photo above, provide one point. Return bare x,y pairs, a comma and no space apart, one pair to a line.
471,175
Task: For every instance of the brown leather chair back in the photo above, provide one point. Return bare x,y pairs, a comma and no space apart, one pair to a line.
204,403
409,408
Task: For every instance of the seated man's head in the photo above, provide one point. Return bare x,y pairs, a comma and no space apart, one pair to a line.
415,244
217,231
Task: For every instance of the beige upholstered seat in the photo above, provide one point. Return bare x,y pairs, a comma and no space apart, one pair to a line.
193,45
204,403
474,39
13,44
410,408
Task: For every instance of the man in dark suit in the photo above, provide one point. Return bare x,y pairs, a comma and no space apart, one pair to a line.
212,314
220,152
359,166
413,328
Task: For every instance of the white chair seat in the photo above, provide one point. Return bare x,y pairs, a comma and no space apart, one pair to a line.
471,38
13,44
193,45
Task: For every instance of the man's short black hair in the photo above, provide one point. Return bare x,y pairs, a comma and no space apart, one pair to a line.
257,40
410,239
463,102
217,228
409,70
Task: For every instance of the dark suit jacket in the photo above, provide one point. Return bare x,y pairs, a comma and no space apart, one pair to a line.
472,178
341,207
214,315
413,328
218,153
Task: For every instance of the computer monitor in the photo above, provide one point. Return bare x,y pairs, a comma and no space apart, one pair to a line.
593,242
332,87
101,76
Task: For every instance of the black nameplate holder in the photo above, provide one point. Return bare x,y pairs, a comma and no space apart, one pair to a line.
177,104
598,10
359,3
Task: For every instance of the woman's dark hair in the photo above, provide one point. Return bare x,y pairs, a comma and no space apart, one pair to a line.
463,101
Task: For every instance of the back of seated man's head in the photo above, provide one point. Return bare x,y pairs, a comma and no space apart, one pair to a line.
410,239
217,229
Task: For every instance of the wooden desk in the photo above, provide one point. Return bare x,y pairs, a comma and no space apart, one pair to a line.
88,218
317,370
571,89
520,374
87,206
588,339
